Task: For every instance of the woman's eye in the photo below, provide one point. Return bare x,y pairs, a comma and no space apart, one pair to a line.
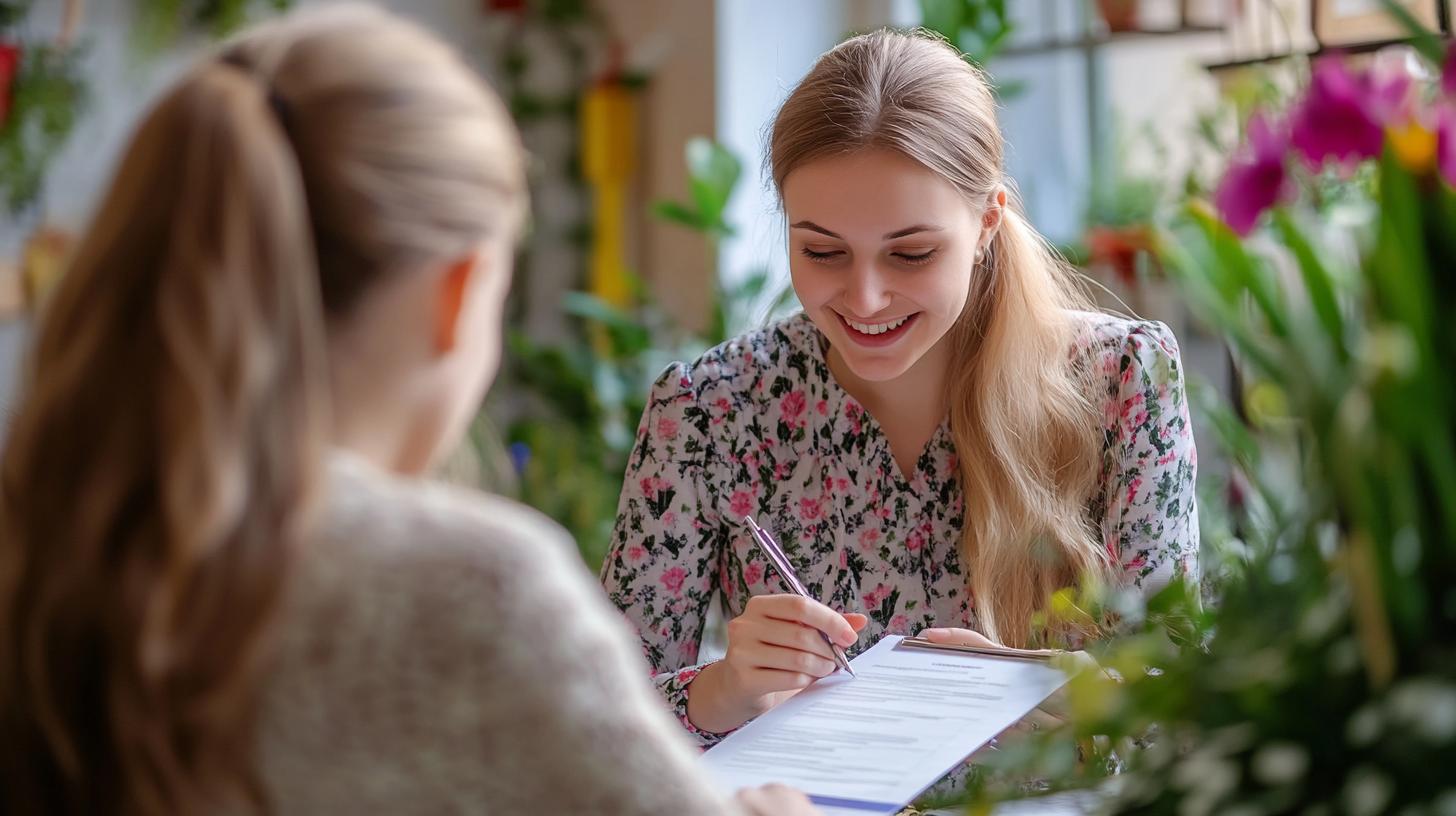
820,256
916,257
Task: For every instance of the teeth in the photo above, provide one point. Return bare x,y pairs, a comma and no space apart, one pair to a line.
876,328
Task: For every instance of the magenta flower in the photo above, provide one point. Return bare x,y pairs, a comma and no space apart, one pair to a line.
1256,179
1446,142
1448,72
1343,115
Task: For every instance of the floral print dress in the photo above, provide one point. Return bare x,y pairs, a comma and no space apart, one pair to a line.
758,426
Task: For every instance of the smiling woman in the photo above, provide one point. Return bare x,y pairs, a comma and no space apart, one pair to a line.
946,436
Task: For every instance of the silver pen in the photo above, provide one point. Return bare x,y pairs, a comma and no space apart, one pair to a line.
775,555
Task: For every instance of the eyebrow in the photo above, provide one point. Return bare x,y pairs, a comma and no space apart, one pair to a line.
900,233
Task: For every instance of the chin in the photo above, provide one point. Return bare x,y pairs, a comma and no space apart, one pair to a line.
876,370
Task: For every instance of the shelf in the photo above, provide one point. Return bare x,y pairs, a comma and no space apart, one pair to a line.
1354,48
1099,40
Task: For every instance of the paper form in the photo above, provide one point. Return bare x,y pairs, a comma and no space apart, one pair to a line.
871,744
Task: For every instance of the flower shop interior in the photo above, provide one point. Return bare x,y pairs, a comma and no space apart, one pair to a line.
1274,181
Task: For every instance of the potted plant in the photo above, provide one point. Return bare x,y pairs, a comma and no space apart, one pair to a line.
1120,224
1120,15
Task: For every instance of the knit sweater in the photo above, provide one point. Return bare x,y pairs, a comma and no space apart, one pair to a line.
441,651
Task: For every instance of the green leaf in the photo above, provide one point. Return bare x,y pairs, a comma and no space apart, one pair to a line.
1400,275
678,213
712,175
629,336
1317,281
944,17
1245,270
1428,42
1215,299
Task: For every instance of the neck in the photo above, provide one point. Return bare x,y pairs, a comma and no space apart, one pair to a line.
915,399
376,417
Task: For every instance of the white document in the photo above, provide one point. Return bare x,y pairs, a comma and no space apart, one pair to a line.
870,744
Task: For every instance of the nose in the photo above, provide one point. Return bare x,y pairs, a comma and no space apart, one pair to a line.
866,293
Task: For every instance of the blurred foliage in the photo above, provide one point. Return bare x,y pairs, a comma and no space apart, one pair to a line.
979,29
161,22
584,398
46,97
1323,678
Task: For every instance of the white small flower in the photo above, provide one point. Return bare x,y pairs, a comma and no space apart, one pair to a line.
1428,706
1321,618
1280,763
1364,726
1405,551
1366,792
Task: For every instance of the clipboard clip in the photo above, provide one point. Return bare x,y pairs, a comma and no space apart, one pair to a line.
1038,655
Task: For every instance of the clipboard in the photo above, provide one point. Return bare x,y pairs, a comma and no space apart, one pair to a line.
1038,655
868,746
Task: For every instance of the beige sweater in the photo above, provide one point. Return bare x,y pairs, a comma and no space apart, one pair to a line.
445,652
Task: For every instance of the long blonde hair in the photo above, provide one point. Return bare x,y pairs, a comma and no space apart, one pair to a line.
157,478
1024,425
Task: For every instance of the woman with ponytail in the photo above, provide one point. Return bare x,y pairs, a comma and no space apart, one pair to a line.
223,587
946,436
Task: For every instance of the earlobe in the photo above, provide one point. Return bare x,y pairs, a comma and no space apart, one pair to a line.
454,288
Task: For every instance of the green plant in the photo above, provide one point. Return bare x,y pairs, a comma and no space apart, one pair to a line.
42,100
1324,678
161,21
579,402
980,29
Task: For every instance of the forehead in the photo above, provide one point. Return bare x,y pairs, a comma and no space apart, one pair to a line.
872,192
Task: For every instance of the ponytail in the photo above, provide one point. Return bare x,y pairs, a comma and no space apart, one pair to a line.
1025,436
158,474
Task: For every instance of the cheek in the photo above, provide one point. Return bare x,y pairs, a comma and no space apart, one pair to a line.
814,285
950,286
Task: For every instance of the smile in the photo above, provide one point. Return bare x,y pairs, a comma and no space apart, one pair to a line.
877,334
877,328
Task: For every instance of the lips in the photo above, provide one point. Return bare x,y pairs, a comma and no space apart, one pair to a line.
879,333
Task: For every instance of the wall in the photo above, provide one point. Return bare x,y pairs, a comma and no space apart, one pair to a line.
674,42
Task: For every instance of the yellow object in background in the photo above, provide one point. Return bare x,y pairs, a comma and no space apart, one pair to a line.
43,262
609,158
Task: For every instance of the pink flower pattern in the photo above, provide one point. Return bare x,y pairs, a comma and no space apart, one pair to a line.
752,440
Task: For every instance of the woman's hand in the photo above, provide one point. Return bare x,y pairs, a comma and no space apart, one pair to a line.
774,650
1052,711
775,800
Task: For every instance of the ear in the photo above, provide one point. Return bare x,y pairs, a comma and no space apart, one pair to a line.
453,289
993,216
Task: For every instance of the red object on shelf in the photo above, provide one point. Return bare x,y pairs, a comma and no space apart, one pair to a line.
10,54
1120,15
1118,248
514,6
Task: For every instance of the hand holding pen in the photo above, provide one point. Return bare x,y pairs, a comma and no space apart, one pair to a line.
778,646
776,556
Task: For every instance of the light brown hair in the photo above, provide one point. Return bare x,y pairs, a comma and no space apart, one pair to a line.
157,477
1024,426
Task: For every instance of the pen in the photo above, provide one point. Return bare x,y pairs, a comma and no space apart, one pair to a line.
775,555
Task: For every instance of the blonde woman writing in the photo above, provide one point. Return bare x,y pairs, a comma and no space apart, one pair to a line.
222,587
947,434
